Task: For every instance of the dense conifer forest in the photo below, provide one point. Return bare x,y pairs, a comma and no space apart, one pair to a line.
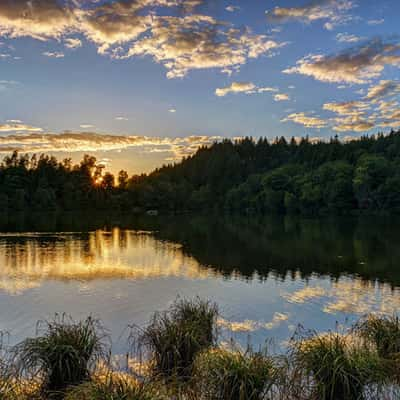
245,176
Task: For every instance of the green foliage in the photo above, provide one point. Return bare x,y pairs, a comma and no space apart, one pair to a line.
240,176
339,368
65,354
175,337
233,375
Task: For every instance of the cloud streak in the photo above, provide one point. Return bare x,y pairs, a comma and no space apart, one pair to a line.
356,65
33,142
334,12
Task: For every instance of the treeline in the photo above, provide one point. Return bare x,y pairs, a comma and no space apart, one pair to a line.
245,176
44,183
280,177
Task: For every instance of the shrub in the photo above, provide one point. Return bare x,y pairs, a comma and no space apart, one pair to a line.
232,375
383,332
114,387
65,354
338,367
175,337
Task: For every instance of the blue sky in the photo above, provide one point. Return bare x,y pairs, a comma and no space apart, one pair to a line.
143,82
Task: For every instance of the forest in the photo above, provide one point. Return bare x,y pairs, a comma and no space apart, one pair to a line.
243,177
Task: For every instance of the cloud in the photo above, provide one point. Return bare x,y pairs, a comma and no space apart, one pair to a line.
53,54
244,87
307,121
86,126
383,89
196,42
180,39
33,142
353,123
121,118
236,87
72,43
231,8
376,21
335,12
348,38
353,108
354,65
17,126
281,97
172,110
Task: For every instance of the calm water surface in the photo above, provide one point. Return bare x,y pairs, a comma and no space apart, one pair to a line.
267,275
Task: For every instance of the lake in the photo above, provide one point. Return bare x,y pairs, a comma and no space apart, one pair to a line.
268,275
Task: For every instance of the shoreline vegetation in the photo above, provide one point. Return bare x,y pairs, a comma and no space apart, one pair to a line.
300,176
178,356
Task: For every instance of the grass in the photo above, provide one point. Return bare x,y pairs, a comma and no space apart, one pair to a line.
65,354
221,374
68,360
174,338
383,332
114,387
339,367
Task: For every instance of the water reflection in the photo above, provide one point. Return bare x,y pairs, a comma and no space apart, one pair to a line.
267,275
29,259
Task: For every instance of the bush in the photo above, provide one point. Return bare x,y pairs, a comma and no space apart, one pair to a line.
175,337
114,387
337,367
64,355
232,375
383,332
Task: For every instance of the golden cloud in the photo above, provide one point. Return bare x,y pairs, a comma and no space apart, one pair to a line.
383,89
123,29
307,121
175,148
355,65
334,11
236,87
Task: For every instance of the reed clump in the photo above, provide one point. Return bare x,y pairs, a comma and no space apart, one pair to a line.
336,366
222,374
173,338
65,353
115,387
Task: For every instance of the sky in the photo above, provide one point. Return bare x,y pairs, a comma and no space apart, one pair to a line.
140,83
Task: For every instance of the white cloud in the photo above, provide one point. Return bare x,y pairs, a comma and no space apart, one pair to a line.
348,38
53,54
231,8
86,126
376,21
172,110
281,97
72,43
121,118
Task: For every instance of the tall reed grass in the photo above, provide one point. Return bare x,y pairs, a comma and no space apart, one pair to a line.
174,337
66,353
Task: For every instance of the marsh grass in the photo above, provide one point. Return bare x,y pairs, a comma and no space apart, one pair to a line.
174,338
383,332
336,366
66,353
115,387
222,374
